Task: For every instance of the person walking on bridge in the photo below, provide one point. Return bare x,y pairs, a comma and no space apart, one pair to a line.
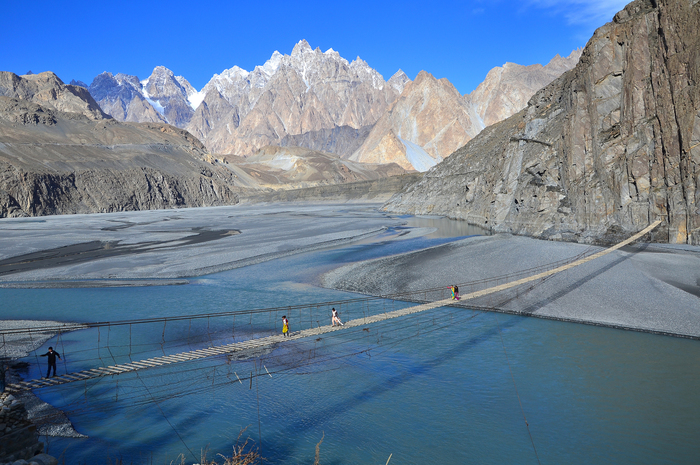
335,319
52,360
455,291
285,326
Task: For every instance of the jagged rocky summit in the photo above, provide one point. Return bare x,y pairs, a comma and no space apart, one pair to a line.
602,151
321,101
60,154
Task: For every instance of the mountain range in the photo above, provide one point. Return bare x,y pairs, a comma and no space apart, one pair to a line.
597,153
313,99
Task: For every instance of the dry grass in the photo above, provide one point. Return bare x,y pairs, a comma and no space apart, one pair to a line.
242,454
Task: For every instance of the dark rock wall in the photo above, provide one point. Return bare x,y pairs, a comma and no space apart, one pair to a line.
88,191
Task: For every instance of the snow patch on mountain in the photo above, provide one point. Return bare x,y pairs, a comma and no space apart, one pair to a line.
155,104
195,99
417,157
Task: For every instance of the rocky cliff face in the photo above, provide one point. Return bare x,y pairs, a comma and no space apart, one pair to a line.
322,101
121,97
56,162
340,140
162,97
605,149
170,95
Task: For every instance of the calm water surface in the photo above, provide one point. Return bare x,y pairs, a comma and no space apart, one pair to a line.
437,387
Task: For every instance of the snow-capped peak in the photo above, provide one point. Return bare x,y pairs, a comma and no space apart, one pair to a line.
271,65
398,81
196,98
301,47
366,73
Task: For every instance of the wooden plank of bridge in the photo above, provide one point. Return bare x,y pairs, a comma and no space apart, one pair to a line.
271,340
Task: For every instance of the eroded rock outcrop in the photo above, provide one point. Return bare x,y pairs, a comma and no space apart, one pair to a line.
56,162
47,90
602,151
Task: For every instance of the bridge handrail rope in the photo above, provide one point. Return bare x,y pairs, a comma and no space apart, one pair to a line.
396,296
313,331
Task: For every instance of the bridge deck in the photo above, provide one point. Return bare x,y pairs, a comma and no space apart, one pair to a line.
271,340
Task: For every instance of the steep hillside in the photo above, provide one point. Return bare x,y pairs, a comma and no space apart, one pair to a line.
56,162
294,94
323,102
605,149
431,119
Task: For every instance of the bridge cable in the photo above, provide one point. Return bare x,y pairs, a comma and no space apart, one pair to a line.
164,416
527,425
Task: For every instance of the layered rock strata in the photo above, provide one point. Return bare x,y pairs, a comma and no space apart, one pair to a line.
602,151
56,162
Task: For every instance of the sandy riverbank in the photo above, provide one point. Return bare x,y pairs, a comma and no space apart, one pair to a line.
647,287
161,247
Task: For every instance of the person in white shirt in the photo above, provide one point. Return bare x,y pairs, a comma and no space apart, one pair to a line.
335,320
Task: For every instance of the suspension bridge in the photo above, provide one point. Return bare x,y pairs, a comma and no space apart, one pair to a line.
271,341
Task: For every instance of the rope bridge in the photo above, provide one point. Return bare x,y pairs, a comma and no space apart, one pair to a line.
271,341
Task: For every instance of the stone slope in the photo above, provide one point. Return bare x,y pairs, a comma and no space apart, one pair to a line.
122,98
162,97
56,162
340,140
430,119
309,97
602,151
305,91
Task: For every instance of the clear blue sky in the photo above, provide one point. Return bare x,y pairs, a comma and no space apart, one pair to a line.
457,40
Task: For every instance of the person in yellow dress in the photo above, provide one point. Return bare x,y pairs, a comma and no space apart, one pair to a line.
285,326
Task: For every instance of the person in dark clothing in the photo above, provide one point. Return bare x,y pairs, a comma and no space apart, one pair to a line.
52,360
